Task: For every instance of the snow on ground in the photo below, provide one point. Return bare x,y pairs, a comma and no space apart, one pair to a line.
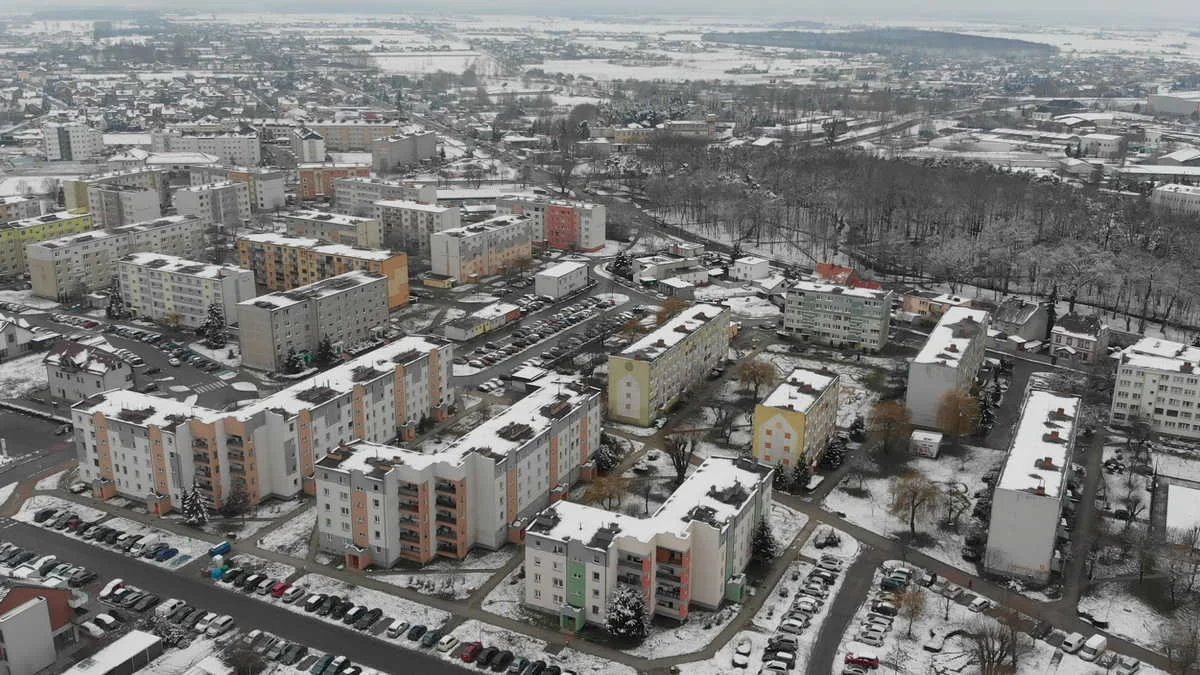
478,559
245,386
478,299
183,659
717,292
871,509
846,548
695,634
617,299
274,570
752,307
392,606
50,482
221,355
292,537
506,598
463,370
854,398
722,662
531,648
453,313
238,528
38,502
7,491
20,376
189,548
1128,616
27,298
451,586
630,429
786,523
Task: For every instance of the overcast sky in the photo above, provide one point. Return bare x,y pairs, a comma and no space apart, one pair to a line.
1035,12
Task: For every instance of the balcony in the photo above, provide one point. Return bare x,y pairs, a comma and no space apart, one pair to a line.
234,442
408,490
409,523
672,593
447,534
237,456
200,457
203,471
668,576
630,579
237,469
634,564
443,517
408,535
448,502
448,549
445,487
200,443
409,507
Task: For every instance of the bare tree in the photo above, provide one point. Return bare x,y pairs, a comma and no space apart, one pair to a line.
1182,644
608,491
756,374
562,171
889,425
958,415
724,420
913,496
912,605
680,450
993,644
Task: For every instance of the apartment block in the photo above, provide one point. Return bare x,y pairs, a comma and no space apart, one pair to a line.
649,375
409,225
281,262
343,135
307,145
234,148
380,504
489,247
1080,337
1176,198
226,203
267,186
16,235
690,554
345,308
1158,383
75,191
396,152
949,361
931,305
18,207
61,268
76,370
561,224
178,292
1027,503
840,316
71,141
317,180
115,205
796,421
152,449
336,227
357,195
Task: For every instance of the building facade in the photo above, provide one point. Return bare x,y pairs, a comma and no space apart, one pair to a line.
17,337
1080,337
35,623
71,141
561,280
691,553
178,292
1021,318
489,247
395,153
1028,500
1158,383
795,422
76,190
226,203
17,235
76,370
267,186
336,227
409,225
949,361
307,145
562,224
344,135
380,504
116,205
153,450
234,148
1176,198
840,316
648,376
18,207
62,267
346,309
356,195
281,262
317,180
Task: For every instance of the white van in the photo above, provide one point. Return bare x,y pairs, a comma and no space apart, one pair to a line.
1072,643
144,543
1093,648
168,606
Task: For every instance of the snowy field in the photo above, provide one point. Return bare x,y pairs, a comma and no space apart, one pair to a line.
51,482
7,491
392,606
27,298
292,538
221,355
532,649
786,523
722,662
38,502
695,634
630,429
1127,615
506,598
450,586
478,559
20,376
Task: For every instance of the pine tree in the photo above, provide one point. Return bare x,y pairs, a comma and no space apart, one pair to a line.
781,477
626,614
325,355
764,547
294,363
116,303
801,474
195,506
214,327
857,429
606,458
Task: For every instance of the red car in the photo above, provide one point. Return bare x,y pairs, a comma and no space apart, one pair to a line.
868,660
471,651
279,589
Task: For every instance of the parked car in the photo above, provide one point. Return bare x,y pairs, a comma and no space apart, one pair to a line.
868,659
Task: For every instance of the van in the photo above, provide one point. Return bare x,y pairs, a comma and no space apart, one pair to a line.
167,607
1072,643
143,545
1093,648
92,629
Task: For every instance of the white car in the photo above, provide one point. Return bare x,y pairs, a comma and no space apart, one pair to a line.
872,638
447,643
791,626
980,604
205,621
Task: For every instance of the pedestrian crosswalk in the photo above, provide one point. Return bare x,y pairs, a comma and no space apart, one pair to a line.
211,386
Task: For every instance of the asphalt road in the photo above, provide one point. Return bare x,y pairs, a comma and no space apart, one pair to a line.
247,612
836,628
32,442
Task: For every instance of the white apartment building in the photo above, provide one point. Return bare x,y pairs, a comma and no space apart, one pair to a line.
152,449
1100,145
356,134
408,225
840,316
237,149
177,291
1173,197
267,186
381,504
357,195
226,203
1027,502
76,190
559,223
949,361
750,268
345,308
307,145
474,251
561,280
28,633
337,228
76,370
58,267
115,205
796,421
691,553
71,141
19,207
649,375
1158,382
394,153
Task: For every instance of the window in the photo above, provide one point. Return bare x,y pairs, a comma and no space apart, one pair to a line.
595,576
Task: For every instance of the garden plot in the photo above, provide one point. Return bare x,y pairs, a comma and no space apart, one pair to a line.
391,606
273,570
865,500
1127,615
695,634
721,663
38,502
292,538
448,586
531,648
189,548
21,376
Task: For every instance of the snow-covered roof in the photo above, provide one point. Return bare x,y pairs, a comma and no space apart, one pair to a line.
562,269
1159,354
157,158
40,220
849,291
801,389
176,265
409,205
673,332
1181,156
318,245
280,239
495,310
1177,188
1041,444
542,200
326,217
1183,506
1159,169
92,355
314,291
751,260
952,335
485,226
209,187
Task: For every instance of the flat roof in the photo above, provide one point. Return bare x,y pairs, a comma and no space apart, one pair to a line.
43,219
484,226
1044,432
494,310
316,290
1176,187
562,269
92,235
410,205
839,289
176,265
800,389
1160,354
318,245
325,217
671,333
954,332
108,659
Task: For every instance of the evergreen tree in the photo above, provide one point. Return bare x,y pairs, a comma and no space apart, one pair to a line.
294,363
626,614
195,506
606,458
764,548
801,474
858,429
214,327
325,354
1051,312
116,303
781,477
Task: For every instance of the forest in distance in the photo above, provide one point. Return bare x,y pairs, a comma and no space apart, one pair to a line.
887,41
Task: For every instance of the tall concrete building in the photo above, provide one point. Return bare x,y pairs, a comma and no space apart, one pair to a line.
489,247
399,151
307,145
357,195
318,180
343,135
19,207
15,236
796,421
267,186
177,291
841,316
234,148
949,361
336,227
76,190
409,226
282,262
71,141
557,223
1158,383
115,205
226,203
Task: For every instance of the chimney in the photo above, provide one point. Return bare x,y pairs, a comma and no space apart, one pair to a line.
1040,491
661,342
1054,433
